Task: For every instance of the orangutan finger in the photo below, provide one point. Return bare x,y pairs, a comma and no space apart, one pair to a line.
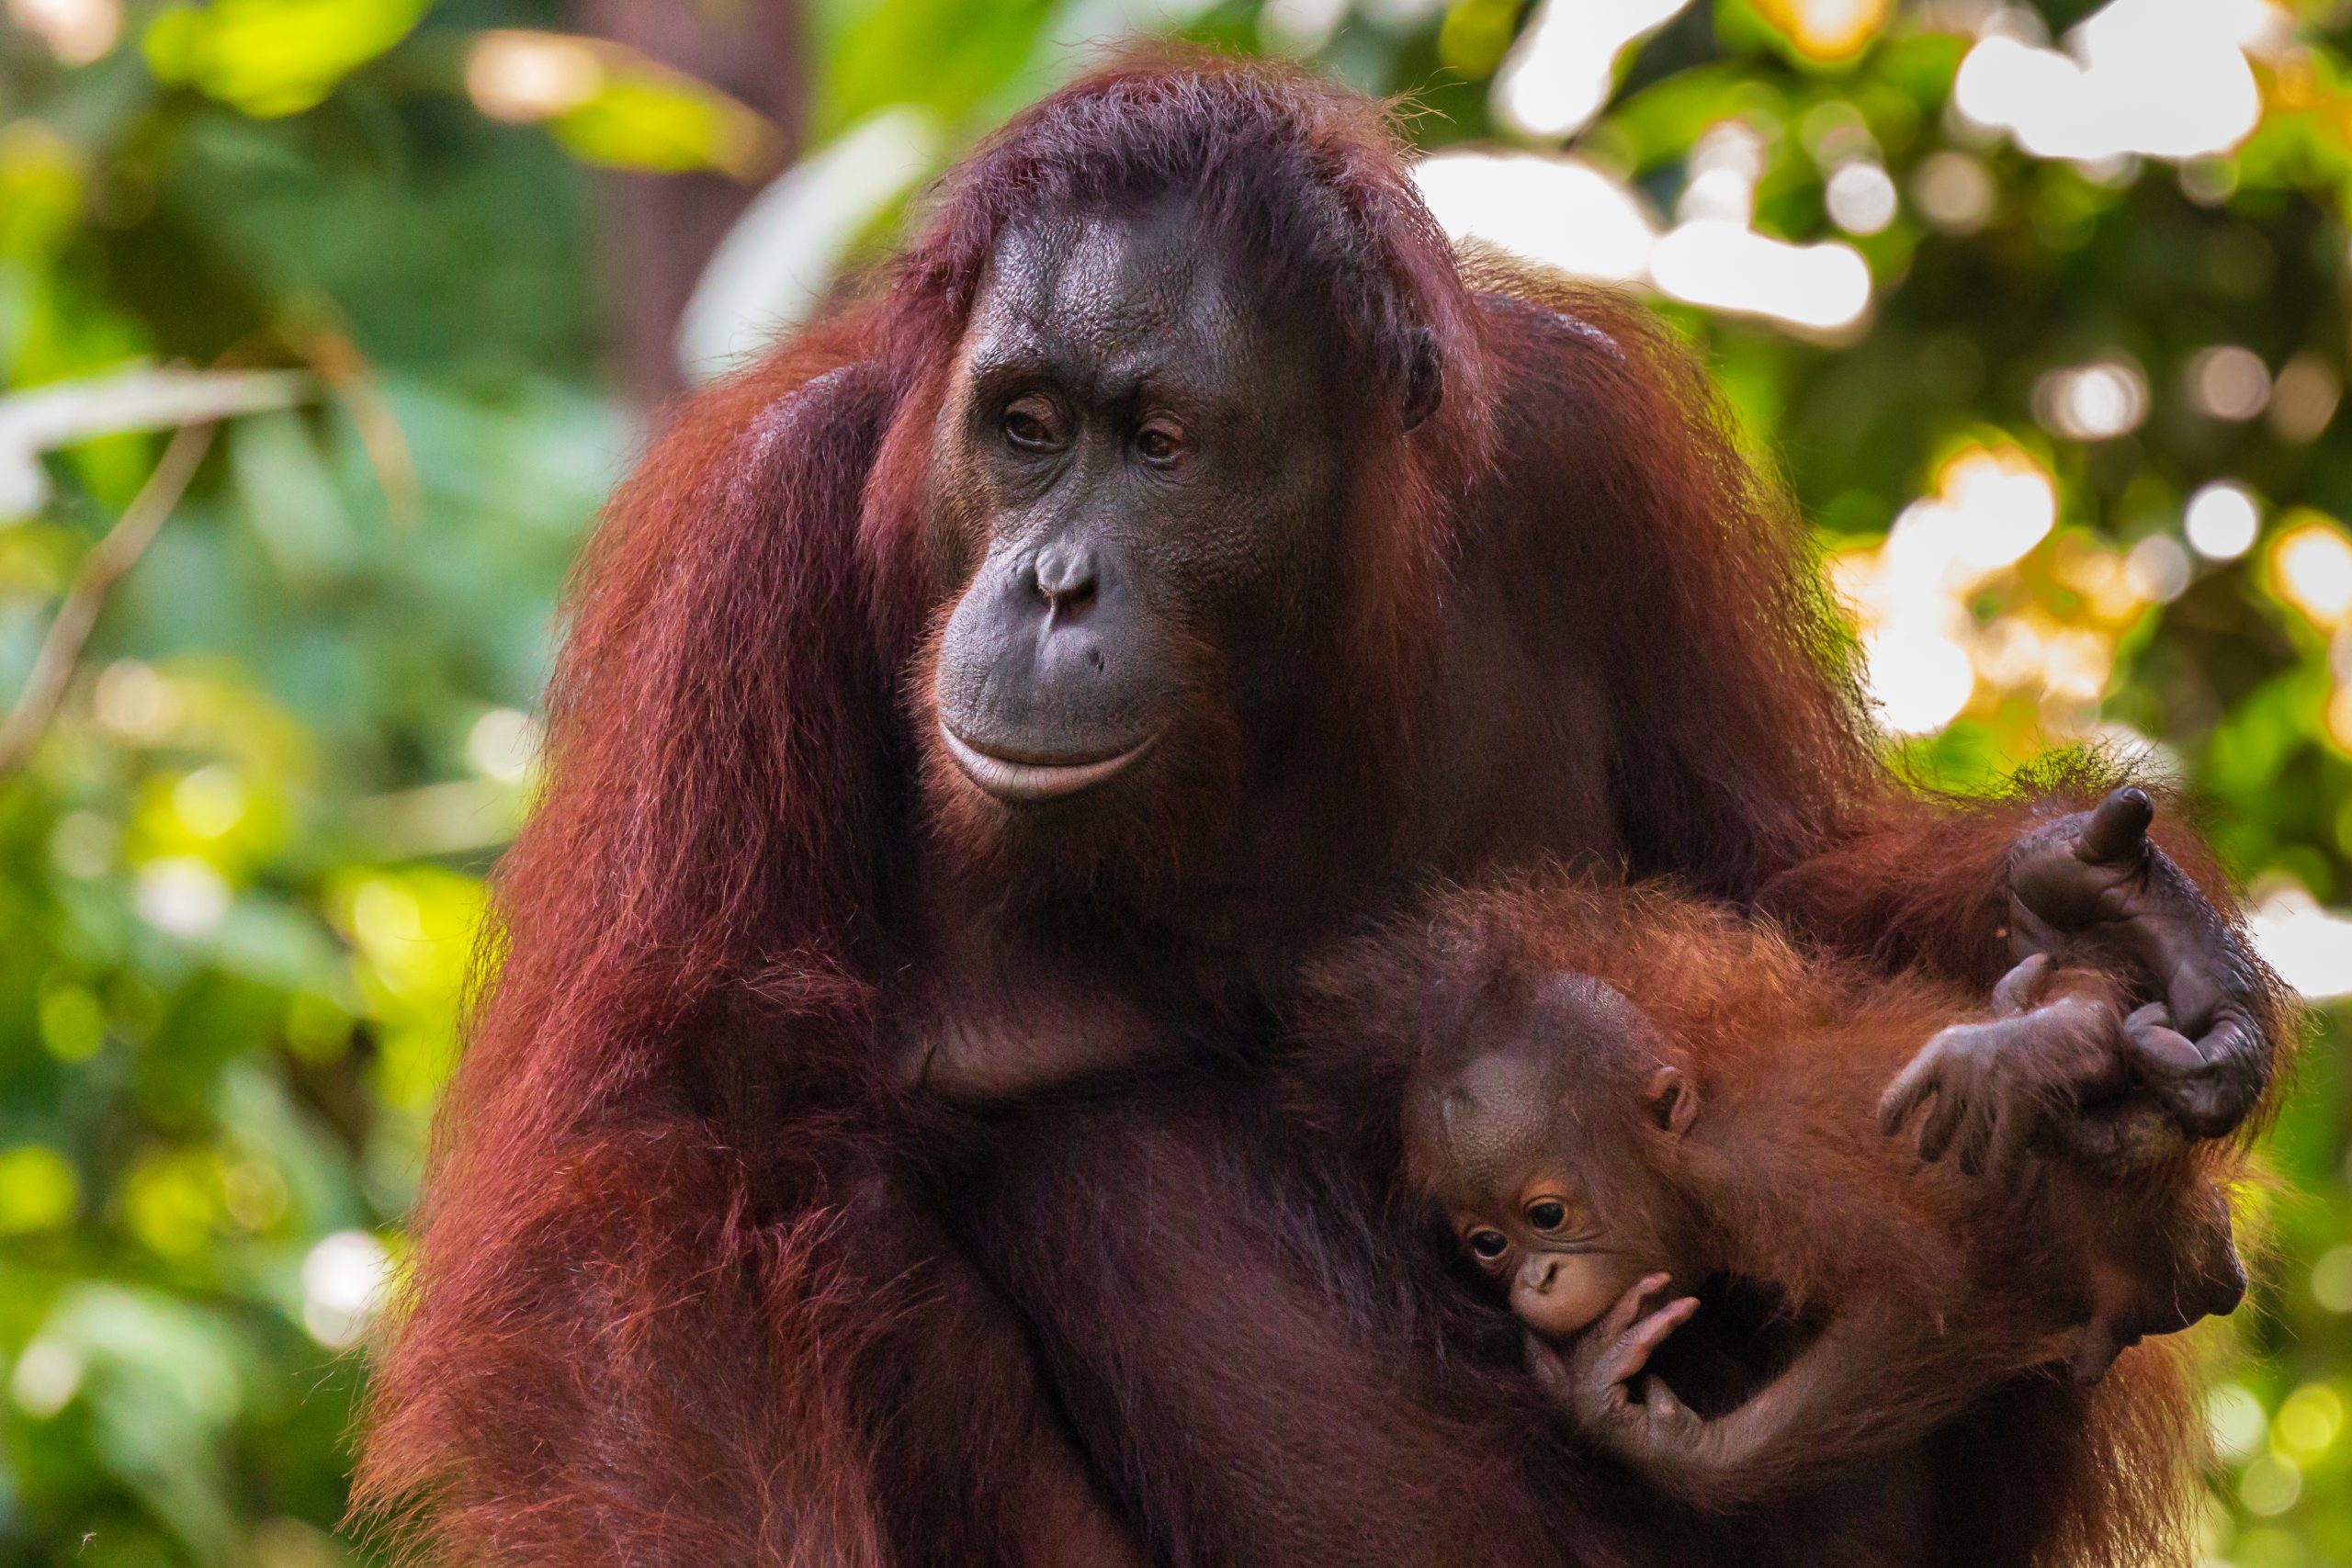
2211,1099
1632,1351
1942,1122
2164,1052
2116,831
1628,1308
2021,987
2012,1136
1910,1089
1663,1403
1974,1138
1545,1364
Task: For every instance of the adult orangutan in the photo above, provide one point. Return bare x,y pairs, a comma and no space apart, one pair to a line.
1180,560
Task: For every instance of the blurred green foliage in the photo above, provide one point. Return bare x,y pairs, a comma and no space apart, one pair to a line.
240,877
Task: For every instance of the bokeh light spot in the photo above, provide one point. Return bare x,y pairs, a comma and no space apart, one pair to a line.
2158,569
209,802
522,76
38,1189
72,1023
136,703
2270,1485
182,895
1860,197
2309,1421
47,1377
1564,66
2311,566
2235,1416
1919,680
1955,191
2304,402
2092,403
503,744
2332,1278
2222,521
344,1277
2229,382
76,31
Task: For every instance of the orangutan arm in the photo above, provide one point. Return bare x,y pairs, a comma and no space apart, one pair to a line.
1970,888
988,1016
1863,1388
1223,1342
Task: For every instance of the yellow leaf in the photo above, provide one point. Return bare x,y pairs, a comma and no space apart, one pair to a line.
1827,30
273,57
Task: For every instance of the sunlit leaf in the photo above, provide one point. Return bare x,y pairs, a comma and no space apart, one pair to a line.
609,105
1827,30
666,124
39,1188
273,57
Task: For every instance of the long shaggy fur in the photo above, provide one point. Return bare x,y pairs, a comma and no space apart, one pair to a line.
670,1298
1786,1177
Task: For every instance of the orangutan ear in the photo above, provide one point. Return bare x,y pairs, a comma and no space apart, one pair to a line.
1673,1102
1424,379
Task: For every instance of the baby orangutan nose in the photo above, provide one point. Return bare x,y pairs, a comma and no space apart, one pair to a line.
1558,1293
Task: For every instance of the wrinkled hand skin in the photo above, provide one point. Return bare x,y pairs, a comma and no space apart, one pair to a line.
2092,886
1998,1090
1592,1382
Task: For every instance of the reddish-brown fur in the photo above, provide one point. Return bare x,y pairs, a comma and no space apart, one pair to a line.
1784,1176
671,1301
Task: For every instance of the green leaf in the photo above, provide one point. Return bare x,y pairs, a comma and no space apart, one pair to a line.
273,57
662,123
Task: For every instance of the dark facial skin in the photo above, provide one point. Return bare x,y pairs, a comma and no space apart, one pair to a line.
1520,1211
1495,1141
1135,484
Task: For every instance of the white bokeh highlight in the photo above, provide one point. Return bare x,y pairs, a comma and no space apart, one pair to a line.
2137,78
346,1277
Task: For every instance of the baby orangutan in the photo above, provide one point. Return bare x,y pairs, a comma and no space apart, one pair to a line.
1607,1092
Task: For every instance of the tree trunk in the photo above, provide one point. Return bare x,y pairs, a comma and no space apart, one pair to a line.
661,229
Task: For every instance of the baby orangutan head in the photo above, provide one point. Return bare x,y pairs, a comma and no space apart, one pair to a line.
1547,1137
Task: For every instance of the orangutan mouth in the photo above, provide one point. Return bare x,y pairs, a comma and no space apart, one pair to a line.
1020,781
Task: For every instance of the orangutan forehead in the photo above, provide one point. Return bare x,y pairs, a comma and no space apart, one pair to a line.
1497,1116
1122,295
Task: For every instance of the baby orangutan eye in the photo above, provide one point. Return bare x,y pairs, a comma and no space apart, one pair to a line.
1488,1245
1547,1213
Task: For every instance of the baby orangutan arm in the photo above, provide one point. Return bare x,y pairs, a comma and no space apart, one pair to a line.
1992,1090
1830,1408
2053,1071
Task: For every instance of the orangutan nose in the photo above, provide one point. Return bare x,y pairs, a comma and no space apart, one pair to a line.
1537,1273
1065,577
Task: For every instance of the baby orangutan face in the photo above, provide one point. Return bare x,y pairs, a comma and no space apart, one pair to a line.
1504,1139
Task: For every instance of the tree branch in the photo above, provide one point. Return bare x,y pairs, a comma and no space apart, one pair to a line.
61,645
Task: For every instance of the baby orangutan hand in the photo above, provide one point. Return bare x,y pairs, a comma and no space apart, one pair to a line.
1592,1382
1991,1087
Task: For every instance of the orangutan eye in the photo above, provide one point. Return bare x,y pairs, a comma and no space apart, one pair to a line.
1160,444
1547,1213
1488,1245
1029,425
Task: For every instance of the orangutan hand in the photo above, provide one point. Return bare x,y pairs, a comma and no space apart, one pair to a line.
2092,886
1996,1090
1598,1383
